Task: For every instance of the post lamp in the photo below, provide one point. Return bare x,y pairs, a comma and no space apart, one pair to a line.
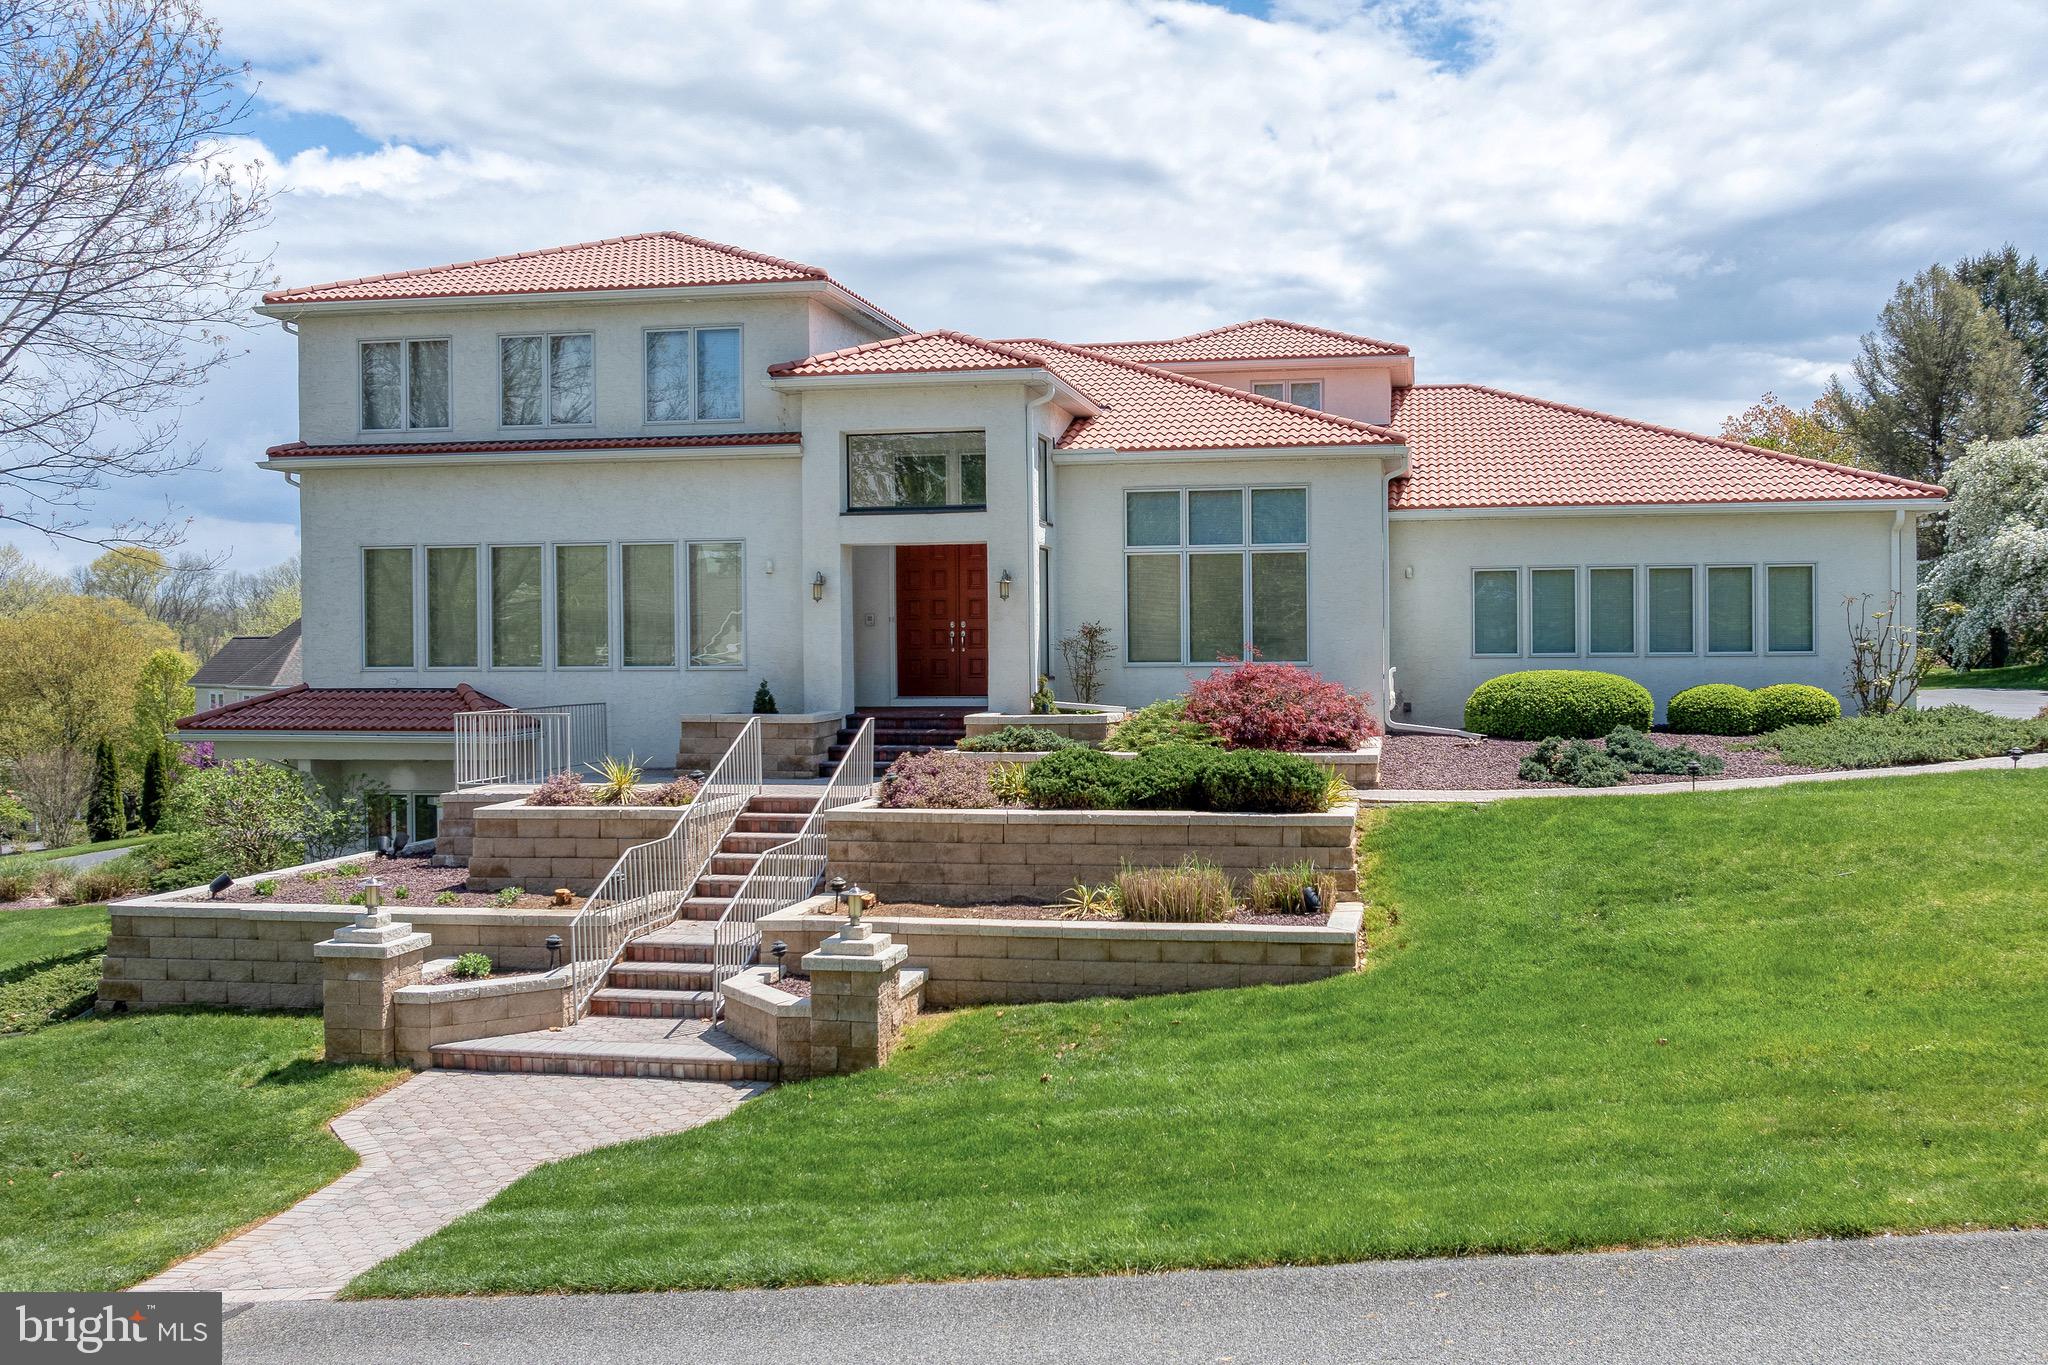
554,947
373,895
1692,770
2015,753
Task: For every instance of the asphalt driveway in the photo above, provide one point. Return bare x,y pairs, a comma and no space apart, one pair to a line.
2018,702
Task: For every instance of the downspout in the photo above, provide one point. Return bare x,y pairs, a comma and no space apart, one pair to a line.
1387,710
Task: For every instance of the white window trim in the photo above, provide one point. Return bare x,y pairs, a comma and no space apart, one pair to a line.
486,594
1244,548
685,645
955,481
1699,588
1287,384
690,375
554,605
363,609
677,617
1578,608
426,601
1472,611
1042,459
1756,613
547,378
404,386
1635,605
1812,608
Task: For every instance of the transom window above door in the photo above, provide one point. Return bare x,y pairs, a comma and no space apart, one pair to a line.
917,471
546,380
1303,393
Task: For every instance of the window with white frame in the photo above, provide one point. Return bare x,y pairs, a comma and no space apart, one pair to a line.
1553,611
1303,393
718,623
693,375
402,817
1788,591
1541,610
647,597
387,608
517,597
1731,609
451,606
546,380
1671,610
1216,574
404,384
917,471
1496,611
583,618
1611,611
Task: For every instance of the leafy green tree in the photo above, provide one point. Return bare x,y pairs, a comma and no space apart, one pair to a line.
24,584
1812,432
153,781
163,695
104,818
1938,372
2016,292
68,673
1992,576
257,816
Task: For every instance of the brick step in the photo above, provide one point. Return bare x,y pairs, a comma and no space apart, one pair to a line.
624,1002
754,845
722,888
659,976
702,907
686,940
781,805
610,1045
784,825
725,864
884,739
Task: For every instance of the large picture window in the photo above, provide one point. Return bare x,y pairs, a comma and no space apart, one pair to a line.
404,384
516,597
582,606
546,380
647,589
387,608
917,471
1789,590
717,605
1216,573
451,606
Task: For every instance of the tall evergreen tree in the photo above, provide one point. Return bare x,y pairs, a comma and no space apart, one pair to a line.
2016,292
104,818
152,789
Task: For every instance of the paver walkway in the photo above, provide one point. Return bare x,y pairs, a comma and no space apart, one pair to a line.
435,1147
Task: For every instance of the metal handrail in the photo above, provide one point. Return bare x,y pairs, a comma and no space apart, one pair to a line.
649,882
788,872
529,744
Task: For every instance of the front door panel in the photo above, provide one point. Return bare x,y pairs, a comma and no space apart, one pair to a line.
941,620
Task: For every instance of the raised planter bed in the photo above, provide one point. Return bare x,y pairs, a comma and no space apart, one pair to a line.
1086,725
543,847
993,855
979,961
456,1011
792,745
1360,768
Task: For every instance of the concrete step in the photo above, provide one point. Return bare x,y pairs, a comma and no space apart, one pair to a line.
626,1002
636,975
601,1045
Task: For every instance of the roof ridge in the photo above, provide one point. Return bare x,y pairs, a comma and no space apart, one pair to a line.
1876,475
1256,322
1387,434
908,338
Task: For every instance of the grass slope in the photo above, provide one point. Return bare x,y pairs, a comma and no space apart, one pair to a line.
1623,1020
49,963
2033,676
43,855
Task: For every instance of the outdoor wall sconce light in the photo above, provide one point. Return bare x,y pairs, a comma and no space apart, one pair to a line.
1003,586
554,947
818,586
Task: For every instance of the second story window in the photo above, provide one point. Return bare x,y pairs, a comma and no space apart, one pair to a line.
404,384
546,380
693,375
1303,393
917,471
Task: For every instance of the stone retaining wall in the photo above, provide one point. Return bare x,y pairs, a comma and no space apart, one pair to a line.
1086,727
454,1012
986,961
781,1024
456,829
545,847
791,745
1360,768
965,856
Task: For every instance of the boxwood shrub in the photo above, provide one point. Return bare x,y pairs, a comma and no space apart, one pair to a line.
1569,703
1784,704
1178,777
1713,709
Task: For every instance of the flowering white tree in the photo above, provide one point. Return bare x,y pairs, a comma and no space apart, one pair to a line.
1993,570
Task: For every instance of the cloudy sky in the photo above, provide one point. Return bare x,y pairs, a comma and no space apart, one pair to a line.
1659,209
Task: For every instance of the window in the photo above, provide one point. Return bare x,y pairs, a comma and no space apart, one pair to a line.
451,606
717,605
1611,611
1044,481
694,375
404,384
516,595
1731,609
647,589
917,471
582,606
1789,593
387,609
1303,393
1496,611
1216,573
1553,611
1045,640
401,817
1671,609
546,380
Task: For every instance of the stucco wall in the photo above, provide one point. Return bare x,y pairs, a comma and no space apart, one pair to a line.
1852,552
1364,392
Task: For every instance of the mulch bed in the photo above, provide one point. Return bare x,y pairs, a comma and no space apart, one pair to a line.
447,978
422,884
1447,763
799,986
1035,910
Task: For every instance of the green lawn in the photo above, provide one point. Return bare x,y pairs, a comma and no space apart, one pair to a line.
1594,1022
43,855
2019,675
129,1142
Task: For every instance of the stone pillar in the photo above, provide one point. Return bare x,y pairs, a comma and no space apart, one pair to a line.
362,965
856,1000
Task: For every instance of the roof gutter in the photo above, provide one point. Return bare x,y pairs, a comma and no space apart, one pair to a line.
1640,509
291,310
295,463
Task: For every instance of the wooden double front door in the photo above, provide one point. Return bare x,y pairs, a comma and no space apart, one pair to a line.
942,620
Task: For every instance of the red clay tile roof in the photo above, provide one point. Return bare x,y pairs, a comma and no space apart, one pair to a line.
300,450
918,353
409,710
1259,339
1473,447
646,260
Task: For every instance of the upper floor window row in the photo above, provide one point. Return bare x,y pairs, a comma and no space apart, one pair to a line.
690,374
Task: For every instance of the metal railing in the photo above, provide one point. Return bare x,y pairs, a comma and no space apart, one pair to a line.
788,872
649,883
528,744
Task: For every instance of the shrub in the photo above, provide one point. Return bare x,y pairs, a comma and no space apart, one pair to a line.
1279,706
1163,722
1195,892
401,892
109,881
471,966
1784,704
1083,653
153,786
104,817
255,816
1018,739
1280,890
1573,762
1940,734
1251,780
1565,702
1073,779
18,884
1043,703
618,781
1006,783
1713,709
266,887
1638,753
173,862
348,869
679,792
764,700
1166,777
561,789
936,781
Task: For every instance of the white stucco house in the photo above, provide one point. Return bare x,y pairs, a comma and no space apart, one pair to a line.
655,471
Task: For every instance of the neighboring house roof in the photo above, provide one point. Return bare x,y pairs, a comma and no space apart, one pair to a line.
408,710
267,661
1259,339
645,260
294,450
918,353
1476,447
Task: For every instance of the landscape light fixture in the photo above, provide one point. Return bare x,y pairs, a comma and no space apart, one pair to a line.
1692,770
218,885
554,947
1003,586
780,950
818,586
2015,753
373,895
